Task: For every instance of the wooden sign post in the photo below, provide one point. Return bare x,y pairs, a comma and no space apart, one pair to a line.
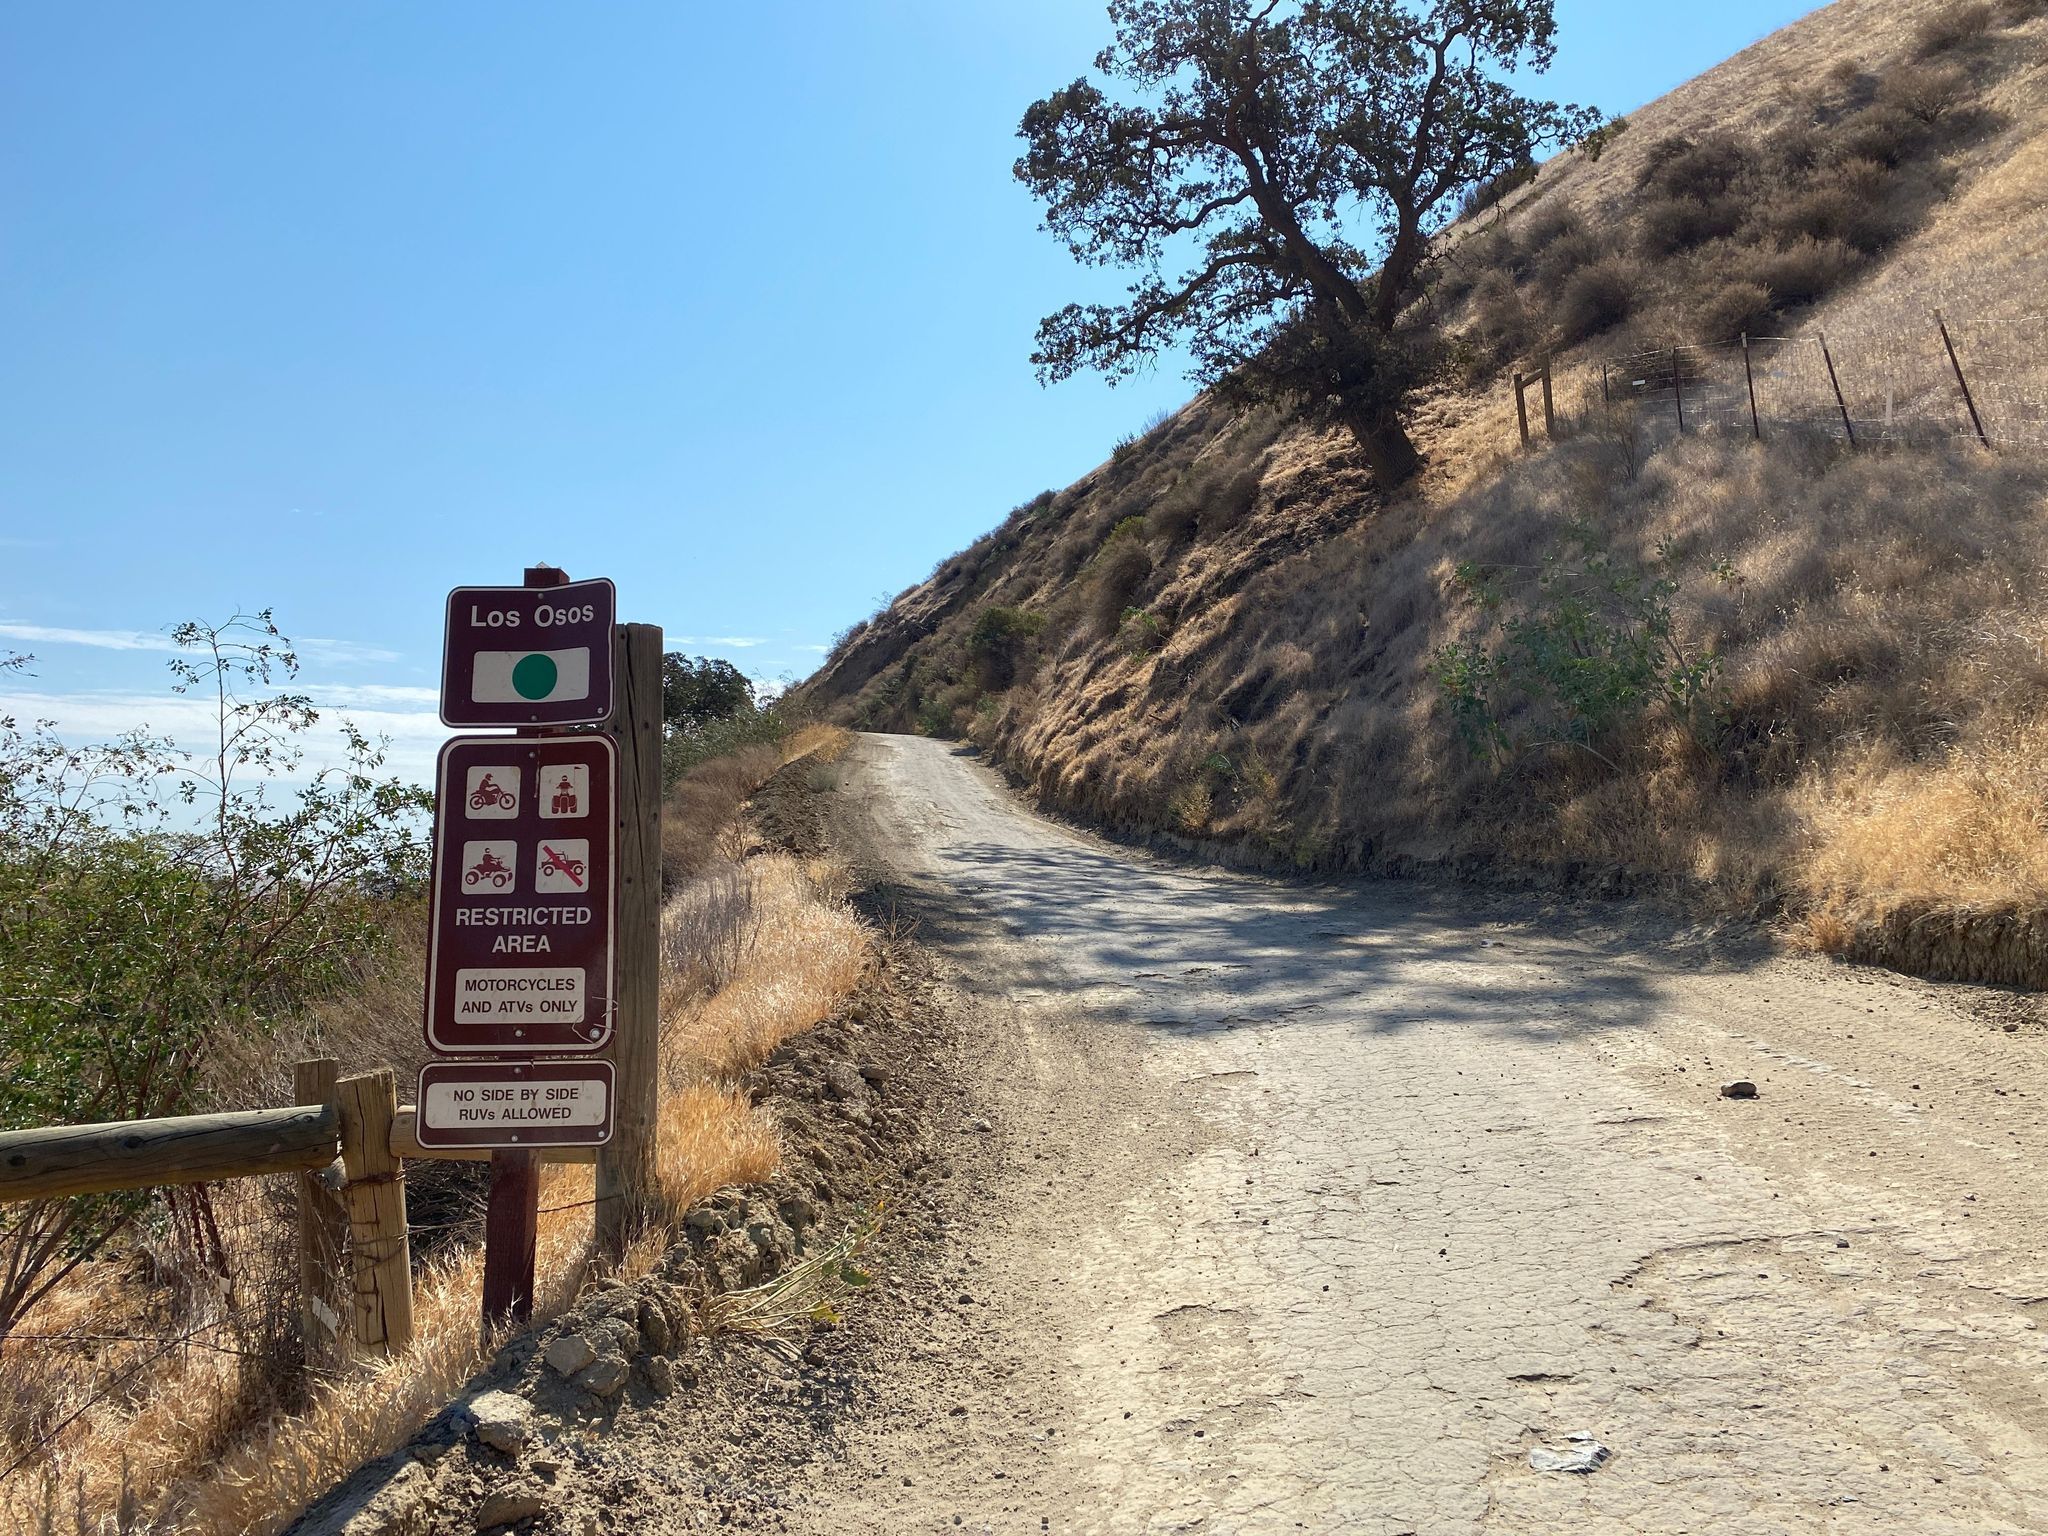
626,1164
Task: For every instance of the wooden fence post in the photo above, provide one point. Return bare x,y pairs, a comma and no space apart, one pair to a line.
323,1227
1549,411
1678,387
1957,364
1521,411
1756,425
625,1165
1834,380
380,1247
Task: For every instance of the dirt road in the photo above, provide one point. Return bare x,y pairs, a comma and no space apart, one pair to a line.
1308,1210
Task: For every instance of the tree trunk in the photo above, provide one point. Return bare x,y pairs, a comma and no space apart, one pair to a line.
1387,447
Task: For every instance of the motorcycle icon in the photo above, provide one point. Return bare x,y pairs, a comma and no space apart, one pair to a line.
488,794
489,868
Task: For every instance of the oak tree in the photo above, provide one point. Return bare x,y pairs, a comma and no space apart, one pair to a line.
1276,174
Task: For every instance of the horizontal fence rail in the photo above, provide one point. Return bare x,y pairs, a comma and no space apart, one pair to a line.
145,1154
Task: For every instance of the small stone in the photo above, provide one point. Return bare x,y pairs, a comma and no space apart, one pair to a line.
983,1125
570,1353
604,1377
842,1082
509,1505
1741,1088
622,1334
1582,1453
502,1421
874,1074
654,1326
704,1222
2012,1029
661,1376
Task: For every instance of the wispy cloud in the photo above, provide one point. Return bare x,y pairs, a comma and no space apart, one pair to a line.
737,642
414,734
312,647
822,650
98,639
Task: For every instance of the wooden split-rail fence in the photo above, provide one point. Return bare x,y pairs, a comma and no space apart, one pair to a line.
348,1140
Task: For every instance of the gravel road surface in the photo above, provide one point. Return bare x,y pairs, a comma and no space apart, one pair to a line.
1343,1210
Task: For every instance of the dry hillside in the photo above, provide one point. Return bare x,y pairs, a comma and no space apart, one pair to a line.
1225,634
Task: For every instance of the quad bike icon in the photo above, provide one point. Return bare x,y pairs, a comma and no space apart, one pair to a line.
564,803
489,868
488,794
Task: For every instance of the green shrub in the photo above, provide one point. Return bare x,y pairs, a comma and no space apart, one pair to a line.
1702,172
1568,254
1601,139
1585,655
1884,132
1491,193
999,646
158,906
684,748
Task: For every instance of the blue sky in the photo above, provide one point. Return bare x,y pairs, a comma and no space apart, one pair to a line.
330,308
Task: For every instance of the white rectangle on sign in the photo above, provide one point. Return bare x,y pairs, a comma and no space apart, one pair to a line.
531,677
496,996
512,1106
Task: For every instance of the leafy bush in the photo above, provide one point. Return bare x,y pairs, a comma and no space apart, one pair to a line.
157,905
999,645
1952,27
1502,325
1806,270
684,748
1488,194
1592,651
1119,572
697,691
1568,254
1925,92
1701,172
1885,132
1141,632
1213,497
1595,299
1601,139
1550,224
1846,203
1672,225
1731,309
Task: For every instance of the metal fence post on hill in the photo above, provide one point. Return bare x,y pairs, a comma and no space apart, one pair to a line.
1835,382
1956,363
626,1164
1756,425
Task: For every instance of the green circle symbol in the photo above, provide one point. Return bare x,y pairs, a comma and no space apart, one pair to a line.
534,677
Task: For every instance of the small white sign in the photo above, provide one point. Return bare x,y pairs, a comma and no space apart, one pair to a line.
562,866
489,868
564,792
513,1106
512,996
492,794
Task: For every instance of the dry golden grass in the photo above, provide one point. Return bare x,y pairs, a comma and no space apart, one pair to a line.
1886,648
195,1452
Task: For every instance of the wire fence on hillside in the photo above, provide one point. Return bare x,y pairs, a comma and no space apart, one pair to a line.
1981,379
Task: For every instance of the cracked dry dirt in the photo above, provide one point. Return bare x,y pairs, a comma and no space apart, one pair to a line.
1318,1210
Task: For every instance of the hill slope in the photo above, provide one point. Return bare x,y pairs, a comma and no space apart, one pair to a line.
1831,665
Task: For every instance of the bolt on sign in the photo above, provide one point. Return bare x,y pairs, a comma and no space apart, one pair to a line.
515,1104
523,896
525,656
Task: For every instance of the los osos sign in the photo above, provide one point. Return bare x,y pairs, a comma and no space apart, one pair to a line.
525,656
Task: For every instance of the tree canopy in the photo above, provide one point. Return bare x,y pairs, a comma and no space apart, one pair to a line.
1276,177
697,691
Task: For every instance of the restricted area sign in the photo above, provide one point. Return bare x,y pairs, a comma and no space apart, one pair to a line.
515,1104
523,897
529,655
